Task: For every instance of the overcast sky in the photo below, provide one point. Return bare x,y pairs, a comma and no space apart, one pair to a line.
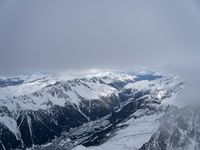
43,35
79,34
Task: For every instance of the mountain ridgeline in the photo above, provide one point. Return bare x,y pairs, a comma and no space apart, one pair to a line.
62,112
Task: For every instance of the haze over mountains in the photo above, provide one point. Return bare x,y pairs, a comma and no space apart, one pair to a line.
60,111
55,36
64,106
108,35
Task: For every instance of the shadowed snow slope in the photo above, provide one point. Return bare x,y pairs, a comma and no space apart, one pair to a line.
41,107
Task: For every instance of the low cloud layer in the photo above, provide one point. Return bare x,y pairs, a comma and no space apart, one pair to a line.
42,35
60,35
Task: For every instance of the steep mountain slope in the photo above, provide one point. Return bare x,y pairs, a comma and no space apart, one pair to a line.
179,130
39,108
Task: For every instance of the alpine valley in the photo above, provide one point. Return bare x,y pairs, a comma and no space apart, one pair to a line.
96,110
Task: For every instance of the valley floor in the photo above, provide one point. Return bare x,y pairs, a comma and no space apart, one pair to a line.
134,134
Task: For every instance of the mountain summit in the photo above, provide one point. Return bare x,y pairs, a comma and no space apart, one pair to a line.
59,111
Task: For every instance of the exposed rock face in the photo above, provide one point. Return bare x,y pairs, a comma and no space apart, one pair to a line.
179,130
39,109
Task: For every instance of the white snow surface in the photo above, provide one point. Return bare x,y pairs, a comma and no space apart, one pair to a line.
22,94
132,137
161,88
38,90
11,124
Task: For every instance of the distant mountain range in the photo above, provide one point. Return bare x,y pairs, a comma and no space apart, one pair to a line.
94,111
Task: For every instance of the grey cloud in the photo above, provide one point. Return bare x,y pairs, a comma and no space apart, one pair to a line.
78,34
75,34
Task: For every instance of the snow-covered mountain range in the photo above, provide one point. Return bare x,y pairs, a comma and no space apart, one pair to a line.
95,110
